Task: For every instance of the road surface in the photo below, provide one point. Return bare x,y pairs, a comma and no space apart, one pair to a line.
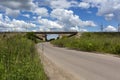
84,65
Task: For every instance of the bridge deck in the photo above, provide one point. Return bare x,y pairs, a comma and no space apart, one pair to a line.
56,32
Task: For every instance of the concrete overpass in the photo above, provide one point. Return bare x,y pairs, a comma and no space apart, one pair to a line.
57,32
43,35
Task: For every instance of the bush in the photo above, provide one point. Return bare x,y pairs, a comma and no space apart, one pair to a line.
116,49
19,60
96,42
31,36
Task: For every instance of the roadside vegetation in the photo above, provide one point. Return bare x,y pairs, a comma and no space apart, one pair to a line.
19,59
92,42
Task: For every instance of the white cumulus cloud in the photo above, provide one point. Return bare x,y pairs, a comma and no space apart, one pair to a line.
11,12
14,7
68,20
41,11
19,25
18,4
1,17
84,5
49,25
110,29
109,16
108,8
61,4
26,15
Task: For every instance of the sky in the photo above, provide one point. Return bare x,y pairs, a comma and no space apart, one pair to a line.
59,15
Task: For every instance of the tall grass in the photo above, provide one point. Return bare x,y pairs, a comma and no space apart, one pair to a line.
19,60
93,42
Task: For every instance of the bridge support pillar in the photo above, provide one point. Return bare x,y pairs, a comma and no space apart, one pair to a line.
45,37
60,36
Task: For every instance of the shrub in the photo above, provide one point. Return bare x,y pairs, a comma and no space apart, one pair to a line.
19,60
116,49
96,41
31,36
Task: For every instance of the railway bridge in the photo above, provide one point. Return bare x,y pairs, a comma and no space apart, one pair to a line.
43,35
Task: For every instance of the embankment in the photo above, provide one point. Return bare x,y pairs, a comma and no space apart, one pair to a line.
107,42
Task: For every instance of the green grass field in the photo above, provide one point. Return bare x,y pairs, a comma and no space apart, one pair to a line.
19,59
92,42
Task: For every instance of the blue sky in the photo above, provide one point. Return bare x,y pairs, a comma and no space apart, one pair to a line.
59,15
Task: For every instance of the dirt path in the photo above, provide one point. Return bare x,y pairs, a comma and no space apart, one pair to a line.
63,63
53,71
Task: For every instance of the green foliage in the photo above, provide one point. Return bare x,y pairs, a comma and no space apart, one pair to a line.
116,49
19,60
31,36
93,42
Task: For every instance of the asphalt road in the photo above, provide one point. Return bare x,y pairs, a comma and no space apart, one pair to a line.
84,65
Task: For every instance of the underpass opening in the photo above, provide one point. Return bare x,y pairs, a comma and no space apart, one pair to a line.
52,37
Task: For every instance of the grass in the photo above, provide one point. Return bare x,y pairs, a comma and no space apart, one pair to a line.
92,42
19,59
